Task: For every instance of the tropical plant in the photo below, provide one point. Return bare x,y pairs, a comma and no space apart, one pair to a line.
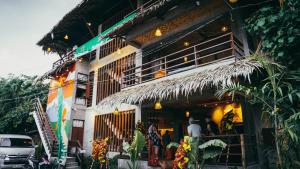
135,148
17,94
278,99
188,154
100,149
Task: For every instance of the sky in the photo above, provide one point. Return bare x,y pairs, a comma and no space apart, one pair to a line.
22,24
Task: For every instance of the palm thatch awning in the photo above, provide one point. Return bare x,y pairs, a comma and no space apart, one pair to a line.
187,85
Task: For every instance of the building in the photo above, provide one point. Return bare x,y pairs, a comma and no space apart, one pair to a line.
127,61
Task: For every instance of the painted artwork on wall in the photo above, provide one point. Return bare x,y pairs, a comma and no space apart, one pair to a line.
59,107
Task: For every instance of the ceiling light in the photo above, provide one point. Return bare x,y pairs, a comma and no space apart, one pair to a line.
224,28
233,1
187,114
158,32
157,105
116,112
48,49
186,44
119,51
89,24
185,59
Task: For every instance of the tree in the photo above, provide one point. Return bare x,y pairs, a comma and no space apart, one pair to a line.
278,99
16,98
277,26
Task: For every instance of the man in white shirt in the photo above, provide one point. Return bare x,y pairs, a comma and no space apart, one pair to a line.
194,129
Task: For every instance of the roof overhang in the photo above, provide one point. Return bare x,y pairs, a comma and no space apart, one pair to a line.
218,77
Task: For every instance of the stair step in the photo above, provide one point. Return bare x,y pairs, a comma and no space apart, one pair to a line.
73,167
71,159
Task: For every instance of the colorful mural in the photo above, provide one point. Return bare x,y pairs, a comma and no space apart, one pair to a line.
59,107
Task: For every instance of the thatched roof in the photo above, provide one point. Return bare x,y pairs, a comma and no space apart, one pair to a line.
74,23
187,85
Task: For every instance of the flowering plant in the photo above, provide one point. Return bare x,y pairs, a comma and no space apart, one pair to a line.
181,155
100,149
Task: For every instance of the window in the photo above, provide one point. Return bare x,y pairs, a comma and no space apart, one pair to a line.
90,86
115,126
15,142
110,76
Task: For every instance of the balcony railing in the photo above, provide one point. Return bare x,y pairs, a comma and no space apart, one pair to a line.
223,47
241,150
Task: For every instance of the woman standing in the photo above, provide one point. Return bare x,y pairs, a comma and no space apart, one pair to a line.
155,140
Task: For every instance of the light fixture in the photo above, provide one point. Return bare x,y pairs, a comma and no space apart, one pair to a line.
187,114
233,1
186,44
116,112
157,105
158,32
185,59
66,37
48,49
224,28
119,51
216,104
80,60
89,24
205,105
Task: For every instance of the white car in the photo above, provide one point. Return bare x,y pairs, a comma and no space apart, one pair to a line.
15,150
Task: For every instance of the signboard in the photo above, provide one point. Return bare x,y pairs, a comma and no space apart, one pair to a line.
98,40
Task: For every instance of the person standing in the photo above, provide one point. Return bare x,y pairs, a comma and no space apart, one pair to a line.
194,129
155,139
212,128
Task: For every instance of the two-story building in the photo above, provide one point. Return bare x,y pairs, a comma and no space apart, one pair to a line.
127,61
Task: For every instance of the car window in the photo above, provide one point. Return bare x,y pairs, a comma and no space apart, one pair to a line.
15,142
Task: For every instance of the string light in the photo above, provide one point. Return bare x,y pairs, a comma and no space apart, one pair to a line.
157,105
158,32
48,49
66,37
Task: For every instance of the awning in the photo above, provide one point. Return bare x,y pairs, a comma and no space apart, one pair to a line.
98,40
215,77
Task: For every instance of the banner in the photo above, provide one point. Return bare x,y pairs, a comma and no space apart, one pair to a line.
59,105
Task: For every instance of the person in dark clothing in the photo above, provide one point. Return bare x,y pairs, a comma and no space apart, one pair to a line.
212,128
166,139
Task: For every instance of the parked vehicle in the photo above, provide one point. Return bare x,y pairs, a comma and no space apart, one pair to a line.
16,151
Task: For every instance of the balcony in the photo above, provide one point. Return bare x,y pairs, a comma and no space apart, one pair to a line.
220,48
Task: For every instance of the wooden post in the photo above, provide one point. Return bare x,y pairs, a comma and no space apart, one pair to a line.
242,139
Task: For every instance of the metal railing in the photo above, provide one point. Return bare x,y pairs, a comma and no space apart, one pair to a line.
63,59
241,150
45,125
223,47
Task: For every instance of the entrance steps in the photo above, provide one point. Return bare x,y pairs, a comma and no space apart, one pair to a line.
71,163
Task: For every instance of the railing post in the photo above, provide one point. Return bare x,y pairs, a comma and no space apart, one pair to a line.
242,139
195,55
166,65
232,46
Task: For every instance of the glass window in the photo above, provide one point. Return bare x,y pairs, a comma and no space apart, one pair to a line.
15,142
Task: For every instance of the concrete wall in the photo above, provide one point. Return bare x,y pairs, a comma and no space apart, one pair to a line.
94,110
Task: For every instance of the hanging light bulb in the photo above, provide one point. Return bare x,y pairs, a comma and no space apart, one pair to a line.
116,112
233,1
119,51
48,49
157,105
224,28
187,114
185,59
89,24
66,37
158,32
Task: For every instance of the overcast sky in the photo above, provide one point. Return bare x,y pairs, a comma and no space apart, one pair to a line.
22,24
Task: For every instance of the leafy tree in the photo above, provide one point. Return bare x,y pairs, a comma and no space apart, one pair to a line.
277,26
278,99
16,98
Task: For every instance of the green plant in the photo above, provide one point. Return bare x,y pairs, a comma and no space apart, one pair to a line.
191,146
278,99
135,148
